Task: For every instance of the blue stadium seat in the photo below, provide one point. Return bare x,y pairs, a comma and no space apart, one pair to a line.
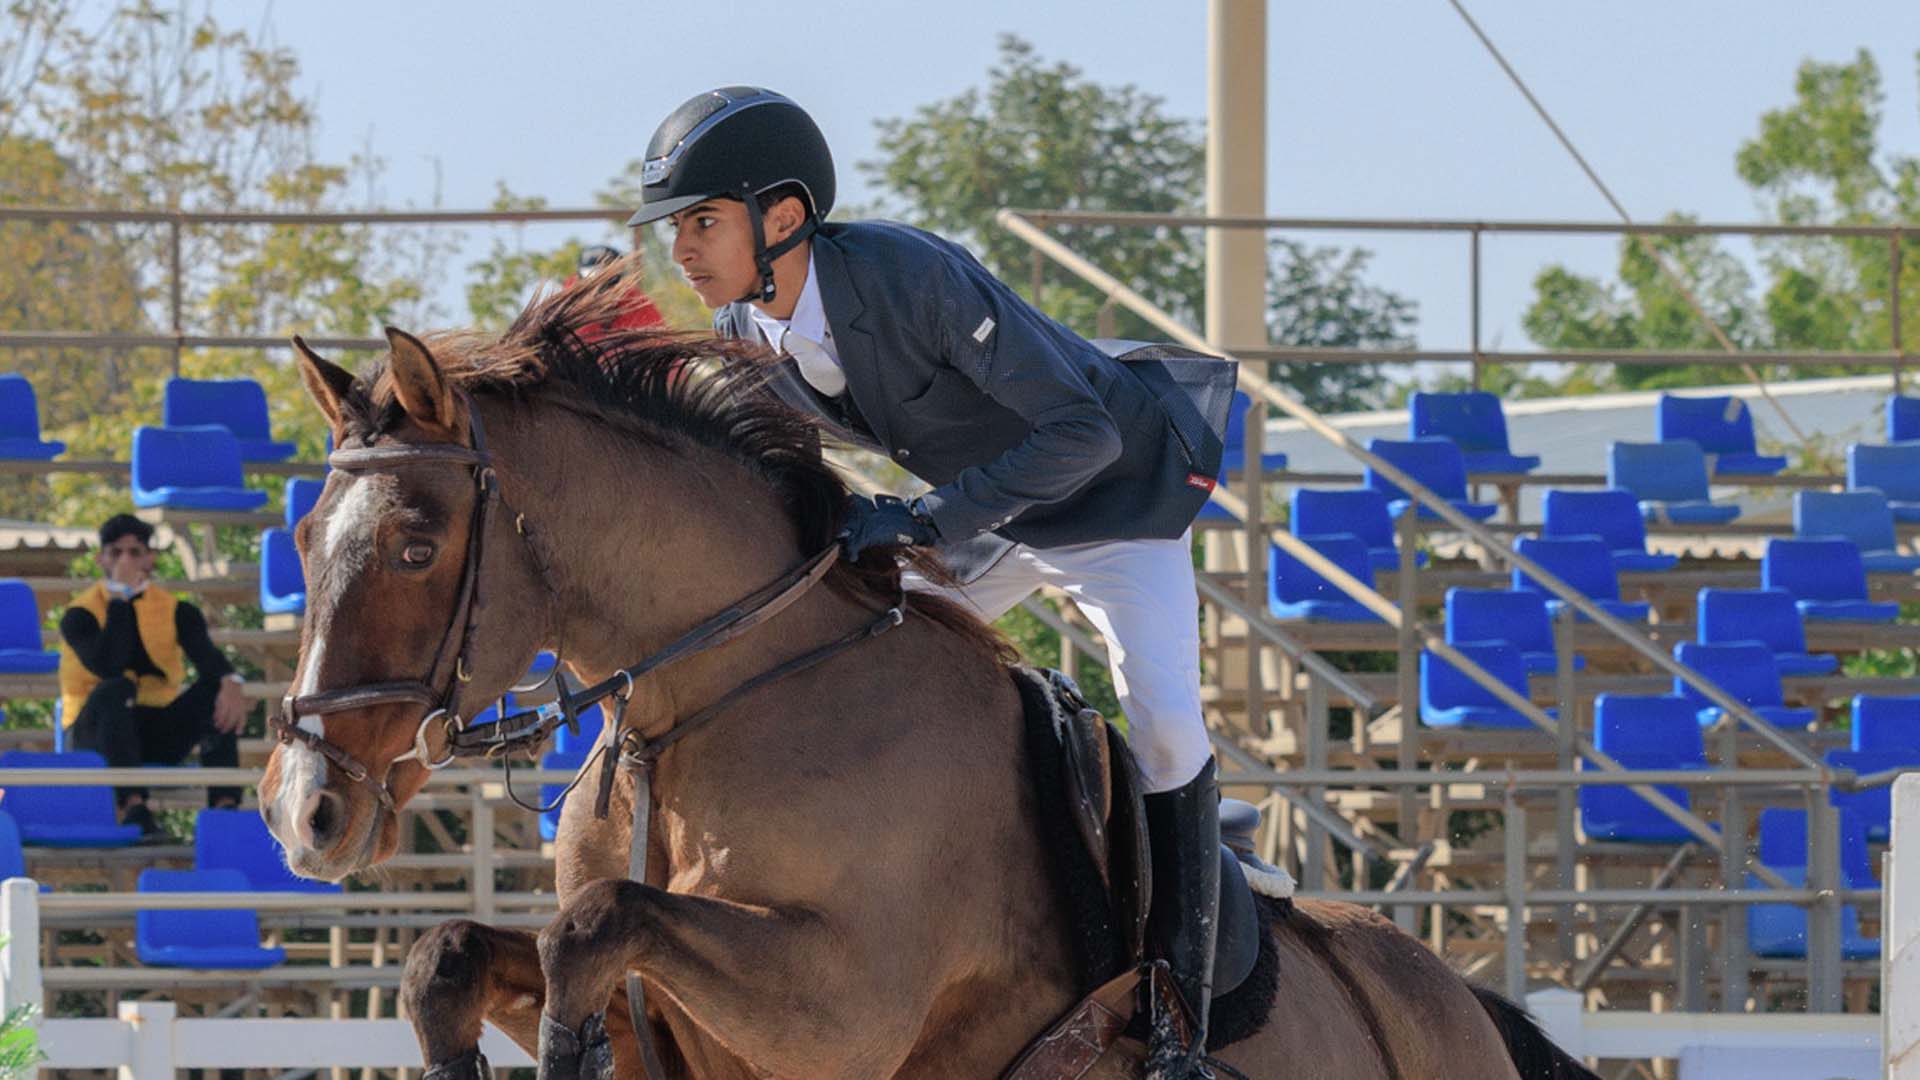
1436,463
1903,418
1613,515
1874,805
239,840
1893,470
302,493
1641,732
13,858
21,652
1235,458
79,816
1826,579
1474,420
557,759
1448,698
1294,591
239,405
221,939
190,468
1669,479
20,423
1862,517
1885,722
1517,617
1361,512
591,723
283,584
1743,670
1723,426
1768,616
1779,931
1584,563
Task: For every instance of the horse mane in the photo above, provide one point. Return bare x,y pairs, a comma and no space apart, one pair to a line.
663,387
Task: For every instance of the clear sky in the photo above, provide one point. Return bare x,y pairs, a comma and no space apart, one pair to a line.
1375,109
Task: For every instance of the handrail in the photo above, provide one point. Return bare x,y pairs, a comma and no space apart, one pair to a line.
1138,219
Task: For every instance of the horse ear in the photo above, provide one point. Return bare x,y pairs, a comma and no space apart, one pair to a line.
418,381
326,381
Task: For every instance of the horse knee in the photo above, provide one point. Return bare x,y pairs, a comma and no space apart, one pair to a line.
585,950
449,961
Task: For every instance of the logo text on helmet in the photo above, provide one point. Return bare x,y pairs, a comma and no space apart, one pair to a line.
655,170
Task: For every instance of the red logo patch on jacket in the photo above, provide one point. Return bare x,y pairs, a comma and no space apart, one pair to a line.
1204,483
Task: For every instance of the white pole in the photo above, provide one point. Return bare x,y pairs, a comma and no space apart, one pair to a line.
152,1050
20,955
1900,936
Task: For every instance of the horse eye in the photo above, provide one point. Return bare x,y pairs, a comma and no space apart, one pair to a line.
418,553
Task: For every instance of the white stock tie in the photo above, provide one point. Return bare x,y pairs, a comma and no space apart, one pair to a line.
816,366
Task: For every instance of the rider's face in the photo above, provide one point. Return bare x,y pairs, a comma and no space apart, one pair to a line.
713,247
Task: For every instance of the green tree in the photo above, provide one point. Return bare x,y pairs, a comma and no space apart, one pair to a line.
1814,160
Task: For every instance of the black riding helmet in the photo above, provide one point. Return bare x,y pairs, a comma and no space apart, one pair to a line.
738,142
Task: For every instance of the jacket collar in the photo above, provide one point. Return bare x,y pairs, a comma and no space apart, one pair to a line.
844,309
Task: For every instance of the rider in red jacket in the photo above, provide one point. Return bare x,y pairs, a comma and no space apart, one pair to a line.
638,313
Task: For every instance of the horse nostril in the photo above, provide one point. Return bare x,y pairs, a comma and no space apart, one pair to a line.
320,820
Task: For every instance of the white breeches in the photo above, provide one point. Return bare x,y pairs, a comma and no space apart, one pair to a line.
1140,595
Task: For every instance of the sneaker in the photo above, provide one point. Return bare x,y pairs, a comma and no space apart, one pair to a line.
140,814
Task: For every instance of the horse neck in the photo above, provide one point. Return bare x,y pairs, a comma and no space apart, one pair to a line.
645,543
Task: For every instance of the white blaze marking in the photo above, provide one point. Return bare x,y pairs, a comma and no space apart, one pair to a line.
352,515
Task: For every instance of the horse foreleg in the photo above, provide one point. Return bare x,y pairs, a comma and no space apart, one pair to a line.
460,974
777,987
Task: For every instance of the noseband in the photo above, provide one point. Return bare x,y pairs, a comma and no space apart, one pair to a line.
530,729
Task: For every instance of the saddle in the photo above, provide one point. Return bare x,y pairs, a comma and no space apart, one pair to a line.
1103,794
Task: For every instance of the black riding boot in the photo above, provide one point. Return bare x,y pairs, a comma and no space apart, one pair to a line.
1183,828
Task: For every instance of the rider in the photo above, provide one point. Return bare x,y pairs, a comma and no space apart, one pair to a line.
1052,462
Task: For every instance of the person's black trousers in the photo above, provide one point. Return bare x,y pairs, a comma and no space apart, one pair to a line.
130,735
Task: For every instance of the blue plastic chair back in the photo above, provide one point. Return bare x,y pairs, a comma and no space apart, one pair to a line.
1659,472
1436,463
1817,568
20,422
302,492
1471,418
1893,469
174,466
19,616
239,405
220,938
1612,514
1780,930
1517,617
550,820
1360,512
1745,670
283,583
1861,516
1783,844
1720,425
240,840
1583,562
591,723
1448,698
1295,590
1886,722
1768,616
1903,418
1641,732
13,858
76,816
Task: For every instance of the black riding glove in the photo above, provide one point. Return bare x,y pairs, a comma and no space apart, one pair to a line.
883,521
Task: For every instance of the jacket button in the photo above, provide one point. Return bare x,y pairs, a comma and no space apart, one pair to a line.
903,453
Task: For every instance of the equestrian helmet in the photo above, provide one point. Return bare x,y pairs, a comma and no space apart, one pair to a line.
737,141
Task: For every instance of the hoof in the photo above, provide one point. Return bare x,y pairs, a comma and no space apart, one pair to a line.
471,1065
568,1055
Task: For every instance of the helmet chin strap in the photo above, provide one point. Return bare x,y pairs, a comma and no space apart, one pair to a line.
763,255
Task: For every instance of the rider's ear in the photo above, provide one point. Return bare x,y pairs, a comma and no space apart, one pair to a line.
326,381
418,383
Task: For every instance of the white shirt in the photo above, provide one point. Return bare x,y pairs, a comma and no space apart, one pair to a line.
806,337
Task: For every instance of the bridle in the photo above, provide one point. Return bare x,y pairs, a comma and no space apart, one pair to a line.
530,729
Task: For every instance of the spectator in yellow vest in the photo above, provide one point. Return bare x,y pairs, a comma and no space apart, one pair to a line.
124,644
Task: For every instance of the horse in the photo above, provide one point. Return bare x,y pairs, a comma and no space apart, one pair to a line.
847,875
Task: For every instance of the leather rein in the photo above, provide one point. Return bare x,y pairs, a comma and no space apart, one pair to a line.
528,730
